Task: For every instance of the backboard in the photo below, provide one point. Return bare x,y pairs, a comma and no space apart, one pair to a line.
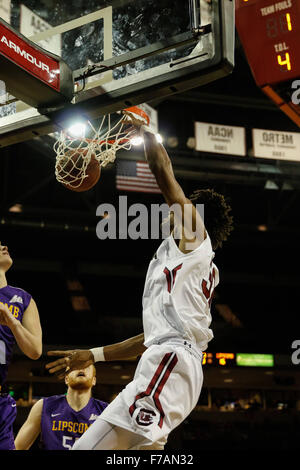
122,53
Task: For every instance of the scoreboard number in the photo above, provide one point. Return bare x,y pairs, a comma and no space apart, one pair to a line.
282,25
286,62
273,51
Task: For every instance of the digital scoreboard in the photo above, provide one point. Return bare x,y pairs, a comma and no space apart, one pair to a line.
269,31
270,34
238,359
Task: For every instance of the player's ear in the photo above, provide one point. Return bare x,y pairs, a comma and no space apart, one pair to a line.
94,376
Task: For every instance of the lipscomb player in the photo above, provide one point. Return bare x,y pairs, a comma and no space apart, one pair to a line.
62,419
19,323
176,319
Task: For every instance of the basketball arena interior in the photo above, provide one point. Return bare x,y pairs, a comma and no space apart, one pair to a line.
89,290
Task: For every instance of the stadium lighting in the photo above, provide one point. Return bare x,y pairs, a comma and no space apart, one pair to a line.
136,141
77,130
271,185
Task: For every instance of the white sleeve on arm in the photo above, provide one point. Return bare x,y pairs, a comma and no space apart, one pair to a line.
98,354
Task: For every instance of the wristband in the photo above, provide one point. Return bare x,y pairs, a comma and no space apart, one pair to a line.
98,354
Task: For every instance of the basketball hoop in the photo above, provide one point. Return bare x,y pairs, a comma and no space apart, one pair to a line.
98,144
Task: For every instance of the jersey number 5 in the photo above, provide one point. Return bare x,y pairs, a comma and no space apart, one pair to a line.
68,445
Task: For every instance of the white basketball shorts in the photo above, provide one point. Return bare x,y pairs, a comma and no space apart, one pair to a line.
165,389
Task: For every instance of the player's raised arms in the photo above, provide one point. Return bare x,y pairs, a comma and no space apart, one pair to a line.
185,213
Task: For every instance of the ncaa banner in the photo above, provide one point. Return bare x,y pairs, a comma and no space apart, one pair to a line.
217,138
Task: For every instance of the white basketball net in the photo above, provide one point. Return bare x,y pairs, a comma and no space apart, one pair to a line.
73,154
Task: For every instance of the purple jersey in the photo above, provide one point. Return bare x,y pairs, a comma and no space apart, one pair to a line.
61,425
17,300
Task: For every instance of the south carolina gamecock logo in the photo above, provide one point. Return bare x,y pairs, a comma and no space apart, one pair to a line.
145,417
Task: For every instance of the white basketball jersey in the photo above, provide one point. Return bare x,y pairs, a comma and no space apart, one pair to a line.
178,292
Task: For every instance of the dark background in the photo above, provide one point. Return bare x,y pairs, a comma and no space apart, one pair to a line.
58,257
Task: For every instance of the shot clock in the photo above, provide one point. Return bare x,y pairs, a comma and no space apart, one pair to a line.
269,31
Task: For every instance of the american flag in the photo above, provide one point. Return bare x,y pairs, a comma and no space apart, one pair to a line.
136,176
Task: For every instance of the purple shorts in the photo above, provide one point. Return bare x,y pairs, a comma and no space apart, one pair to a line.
8,413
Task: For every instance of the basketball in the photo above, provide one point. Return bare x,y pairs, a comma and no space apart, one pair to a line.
76,175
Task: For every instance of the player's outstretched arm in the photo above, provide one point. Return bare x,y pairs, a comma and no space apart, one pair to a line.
185,212
81,358
28,334
31,428
128,349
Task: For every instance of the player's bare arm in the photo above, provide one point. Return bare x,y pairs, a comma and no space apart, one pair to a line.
28,334
188,216
81,358
31,428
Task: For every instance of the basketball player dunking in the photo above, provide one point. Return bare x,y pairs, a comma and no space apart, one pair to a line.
19,323
176,319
